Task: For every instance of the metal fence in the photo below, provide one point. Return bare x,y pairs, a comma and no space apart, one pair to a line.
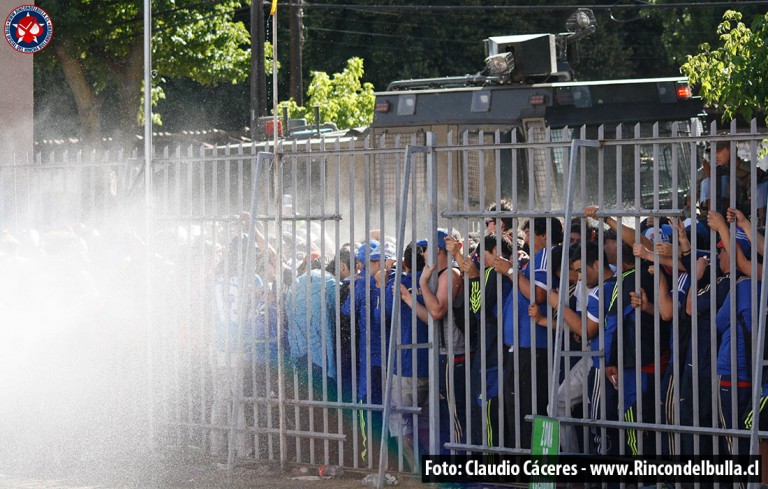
249,345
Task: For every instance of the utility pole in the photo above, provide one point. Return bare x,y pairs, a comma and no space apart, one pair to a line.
297,40
258,71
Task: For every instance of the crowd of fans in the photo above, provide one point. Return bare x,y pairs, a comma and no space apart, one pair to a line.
632,307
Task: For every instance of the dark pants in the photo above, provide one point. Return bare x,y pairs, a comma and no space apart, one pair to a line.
744,405
685,401
484,412
702,392
643,395
508,388
527,386
602,441
452,395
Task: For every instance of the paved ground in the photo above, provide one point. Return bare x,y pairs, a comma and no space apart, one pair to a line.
177,472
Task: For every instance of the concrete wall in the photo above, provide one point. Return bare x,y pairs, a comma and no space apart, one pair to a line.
16,94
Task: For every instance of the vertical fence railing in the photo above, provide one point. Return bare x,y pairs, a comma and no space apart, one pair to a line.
199,194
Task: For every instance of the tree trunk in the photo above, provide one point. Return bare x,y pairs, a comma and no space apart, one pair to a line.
88,104
130,74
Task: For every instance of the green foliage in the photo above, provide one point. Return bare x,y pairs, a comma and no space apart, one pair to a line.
99,46
733,77
157,95
206,42
343,99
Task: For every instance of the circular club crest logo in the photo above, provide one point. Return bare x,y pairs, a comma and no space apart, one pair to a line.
28,29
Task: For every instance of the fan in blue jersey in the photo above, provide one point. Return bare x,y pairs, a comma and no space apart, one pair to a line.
589,269
696,355
741,330
410,382
532,340
358,307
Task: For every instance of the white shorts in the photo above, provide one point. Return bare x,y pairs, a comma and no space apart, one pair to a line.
403,395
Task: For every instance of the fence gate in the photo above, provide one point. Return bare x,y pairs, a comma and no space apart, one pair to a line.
272,309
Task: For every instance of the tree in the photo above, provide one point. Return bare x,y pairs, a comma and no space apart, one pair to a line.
98,46
343,99
733,78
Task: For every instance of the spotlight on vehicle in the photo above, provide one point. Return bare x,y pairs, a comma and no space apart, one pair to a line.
500,64
582,23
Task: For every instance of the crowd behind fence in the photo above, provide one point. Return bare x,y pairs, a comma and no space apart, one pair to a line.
268,296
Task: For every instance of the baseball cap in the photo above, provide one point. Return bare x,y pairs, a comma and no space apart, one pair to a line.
441,235
375,254
385,249
368,245
650,233
390,253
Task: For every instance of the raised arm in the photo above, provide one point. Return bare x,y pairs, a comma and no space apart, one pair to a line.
411,301
627,233
663,297
716,221
735,215
502,266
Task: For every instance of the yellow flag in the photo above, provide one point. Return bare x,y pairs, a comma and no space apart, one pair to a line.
274,8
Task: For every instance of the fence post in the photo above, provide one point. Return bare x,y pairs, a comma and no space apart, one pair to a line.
562,297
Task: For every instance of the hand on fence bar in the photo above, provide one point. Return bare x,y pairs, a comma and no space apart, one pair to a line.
746,225
663,249
501,265
638,249
534,311
468,267
453,247
716,221
426,274
735,215
612,373
641,300
684,245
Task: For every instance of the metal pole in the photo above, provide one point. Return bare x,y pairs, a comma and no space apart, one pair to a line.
258,81
395,310
434,357
242,310
278,263
273,13
297,40
148,204
562,296
758,362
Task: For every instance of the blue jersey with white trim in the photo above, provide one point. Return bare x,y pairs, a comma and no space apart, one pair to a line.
526,328
593,314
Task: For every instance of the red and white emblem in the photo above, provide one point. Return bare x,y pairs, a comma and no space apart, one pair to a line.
28,29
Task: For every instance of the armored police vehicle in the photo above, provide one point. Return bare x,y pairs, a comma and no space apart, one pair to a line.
526,93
